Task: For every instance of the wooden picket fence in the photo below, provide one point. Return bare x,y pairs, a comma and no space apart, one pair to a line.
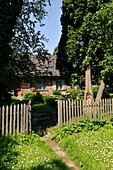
73,110
15,119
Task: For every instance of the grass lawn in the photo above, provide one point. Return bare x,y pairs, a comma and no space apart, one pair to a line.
90,150
28,152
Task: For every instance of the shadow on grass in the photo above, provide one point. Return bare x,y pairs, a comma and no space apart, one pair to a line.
54,165
6,153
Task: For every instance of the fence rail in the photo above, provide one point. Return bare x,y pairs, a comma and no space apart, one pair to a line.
73,110
15,118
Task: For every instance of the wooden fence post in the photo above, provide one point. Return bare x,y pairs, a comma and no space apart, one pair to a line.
29,107
59,115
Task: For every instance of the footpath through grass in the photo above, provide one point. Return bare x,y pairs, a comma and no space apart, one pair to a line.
89,144
28,152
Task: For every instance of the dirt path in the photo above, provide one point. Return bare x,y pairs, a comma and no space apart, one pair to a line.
54,146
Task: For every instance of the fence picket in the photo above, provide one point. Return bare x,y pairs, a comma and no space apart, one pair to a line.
10,131
7,107
67,111
3,112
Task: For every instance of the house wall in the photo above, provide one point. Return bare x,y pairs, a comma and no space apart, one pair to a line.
50,88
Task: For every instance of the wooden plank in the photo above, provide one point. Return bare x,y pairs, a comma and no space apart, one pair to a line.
64,111
83,106
110,106
67,111
59,115
24,112
14,120
26,118
105,108
72,110
29,105
3,115
78,110
18,112
0,117
75,113
21,118
7,109
101,108
10,128
98,108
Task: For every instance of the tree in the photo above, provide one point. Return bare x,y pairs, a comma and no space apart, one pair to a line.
87,31
18,38
87,39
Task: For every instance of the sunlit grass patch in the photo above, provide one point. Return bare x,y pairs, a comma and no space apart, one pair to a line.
91,150
28,152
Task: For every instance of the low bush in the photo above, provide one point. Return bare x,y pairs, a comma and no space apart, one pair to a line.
42,108
28,96
56,93
15,100
50,101
78,94
83,125
37,98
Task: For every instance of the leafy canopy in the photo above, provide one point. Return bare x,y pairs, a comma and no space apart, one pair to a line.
86,31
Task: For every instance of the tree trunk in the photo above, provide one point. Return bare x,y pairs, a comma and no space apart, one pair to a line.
100,91
88,85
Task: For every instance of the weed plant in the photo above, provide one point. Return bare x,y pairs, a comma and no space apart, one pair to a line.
84,125
28,152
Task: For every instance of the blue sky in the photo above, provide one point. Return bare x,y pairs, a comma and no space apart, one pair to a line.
52,28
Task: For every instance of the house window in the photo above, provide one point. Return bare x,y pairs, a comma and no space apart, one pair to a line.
41,85
59,85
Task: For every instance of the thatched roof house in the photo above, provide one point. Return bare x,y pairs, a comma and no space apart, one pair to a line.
46,77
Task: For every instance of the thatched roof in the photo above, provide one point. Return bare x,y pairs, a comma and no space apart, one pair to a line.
45,65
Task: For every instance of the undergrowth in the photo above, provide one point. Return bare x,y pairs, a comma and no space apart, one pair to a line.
84,125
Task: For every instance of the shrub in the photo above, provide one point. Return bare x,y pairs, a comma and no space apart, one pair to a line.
15,100
50,101
28,96
42,108
37,98
56,93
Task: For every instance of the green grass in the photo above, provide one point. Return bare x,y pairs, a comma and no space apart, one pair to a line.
90,150
28,152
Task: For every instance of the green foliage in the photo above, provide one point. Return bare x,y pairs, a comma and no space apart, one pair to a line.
50,101
18,38
95,91
15,100
78,94
84,125
37,98
56,93
86,31
28,96
42,108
